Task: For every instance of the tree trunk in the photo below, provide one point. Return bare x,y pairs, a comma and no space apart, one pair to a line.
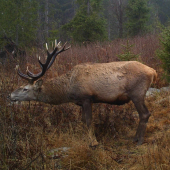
46,18
88,7
120,19
119,15
17,29
40,36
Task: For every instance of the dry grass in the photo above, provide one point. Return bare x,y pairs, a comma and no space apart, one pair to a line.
29,131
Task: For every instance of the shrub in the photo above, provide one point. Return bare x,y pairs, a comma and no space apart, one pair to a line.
164,52
127,54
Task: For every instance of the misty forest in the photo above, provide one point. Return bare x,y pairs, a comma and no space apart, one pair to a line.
36,135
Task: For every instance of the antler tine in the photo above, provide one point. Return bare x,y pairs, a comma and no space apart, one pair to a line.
46,46
63,49
55,42
47,49
24,76
29,73
43,66
57,46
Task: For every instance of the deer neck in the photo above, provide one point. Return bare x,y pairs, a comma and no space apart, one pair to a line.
55,91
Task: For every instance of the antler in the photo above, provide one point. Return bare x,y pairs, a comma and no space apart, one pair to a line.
31,77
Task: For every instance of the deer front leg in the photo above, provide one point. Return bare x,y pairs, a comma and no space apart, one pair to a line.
83,117
87,118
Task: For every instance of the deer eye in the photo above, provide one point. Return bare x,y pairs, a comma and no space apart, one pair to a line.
24,89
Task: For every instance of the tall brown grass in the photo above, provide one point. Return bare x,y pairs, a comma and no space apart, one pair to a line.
30,130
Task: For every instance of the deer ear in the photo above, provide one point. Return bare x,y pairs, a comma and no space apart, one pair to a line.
38,84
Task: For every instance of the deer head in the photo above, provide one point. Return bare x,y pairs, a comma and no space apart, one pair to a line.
31,90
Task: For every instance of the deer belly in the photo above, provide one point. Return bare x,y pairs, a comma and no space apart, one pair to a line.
118,100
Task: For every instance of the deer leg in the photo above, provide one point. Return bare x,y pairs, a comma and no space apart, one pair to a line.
143,119
87,117
83,117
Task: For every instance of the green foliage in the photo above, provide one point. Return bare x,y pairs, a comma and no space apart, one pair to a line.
137,13
86,27
164,53
161,10
59,13
127,54
18,20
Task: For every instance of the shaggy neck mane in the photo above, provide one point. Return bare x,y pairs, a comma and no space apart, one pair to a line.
55,91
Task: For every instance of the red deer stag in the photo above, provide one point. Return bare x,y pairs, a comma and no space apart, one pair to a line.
114,83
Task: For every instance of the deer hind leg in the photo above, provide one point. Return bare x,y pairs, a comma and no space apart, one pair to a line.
143,119
87,118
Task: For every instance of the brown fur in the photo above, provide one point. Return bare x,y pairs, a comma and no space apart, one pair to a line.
113,83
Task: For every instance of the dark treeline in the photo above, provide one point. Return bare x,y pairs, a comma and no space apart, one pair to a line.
34,22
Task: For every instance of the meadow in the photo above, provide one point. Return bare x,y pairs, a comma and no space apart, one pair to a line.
39,136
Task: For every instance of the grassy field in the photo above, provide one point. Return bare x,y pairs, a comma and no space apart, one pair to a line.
34,135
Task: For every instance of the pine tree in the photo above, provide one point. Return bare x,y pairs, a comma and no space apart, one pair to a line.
137,14
87,25
18,21
164,53
127,53
60,13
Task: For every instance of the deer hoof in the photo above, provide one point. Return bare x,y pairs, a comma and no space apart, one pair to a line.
94,143
139,141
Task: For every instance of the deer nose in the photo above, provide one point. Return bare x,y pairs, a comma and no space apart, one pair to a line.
9,97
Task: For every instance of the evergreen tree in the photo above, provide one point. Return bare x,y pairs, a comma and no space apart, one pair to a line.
137,13
88,25
18,21
59,13
164,53
161,10
127,53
